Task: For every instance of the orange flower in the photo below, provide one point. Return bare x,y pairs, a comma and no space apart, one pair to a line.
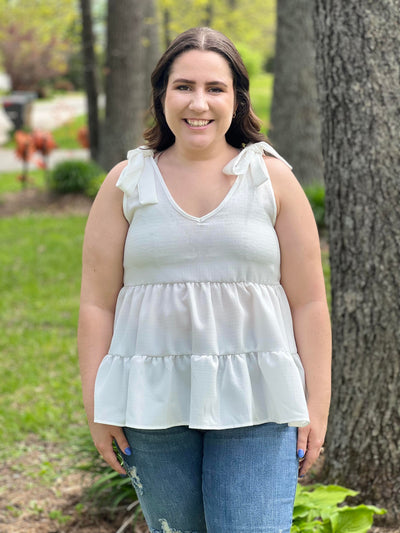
25,145
44,142
83,137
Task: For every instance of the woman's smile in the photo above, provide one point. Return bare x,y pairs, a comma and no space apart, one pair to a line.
196,123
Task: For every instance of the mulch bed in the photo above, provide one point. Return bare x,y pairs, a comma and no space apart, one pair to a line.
34,200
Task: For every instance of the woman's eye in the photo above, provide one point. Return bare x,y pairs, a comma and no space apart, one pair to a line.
215,90
183,88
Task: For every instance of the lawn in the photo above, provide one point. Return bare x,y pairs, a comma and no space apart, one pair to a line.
40,388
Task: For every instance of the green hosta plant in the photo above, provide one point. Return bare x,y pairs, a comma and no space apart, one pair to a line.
316,511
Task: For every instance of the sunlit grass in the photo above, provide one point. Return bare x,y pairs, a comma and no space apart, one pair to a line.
9,180
65,136
40,387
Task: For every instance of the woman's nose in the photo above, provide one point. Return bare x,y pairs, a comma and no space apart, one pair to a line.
198,101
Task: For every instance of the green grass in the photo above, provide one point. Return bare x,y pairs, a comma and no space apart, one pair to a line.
40,386
66,136
9,180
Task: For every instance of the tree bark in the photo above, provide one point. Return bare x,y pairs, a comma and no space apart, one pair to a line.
89,61
295,128
122,129
167,27
151,42
358,50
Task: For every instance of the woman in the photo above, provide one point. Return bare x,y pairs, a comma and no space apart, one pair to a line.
204,335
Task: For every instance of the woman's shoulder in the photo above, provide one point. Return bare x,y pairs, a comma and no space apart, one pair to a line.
116,171
283,181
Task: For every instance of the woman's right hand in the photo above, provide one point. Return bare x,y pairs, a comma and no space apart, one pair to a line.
103,436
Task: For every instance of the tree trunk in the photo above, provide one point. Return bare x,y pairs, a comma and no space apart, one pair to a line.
151,42
167,27
358,50
89,61
124,81
295,128
209,14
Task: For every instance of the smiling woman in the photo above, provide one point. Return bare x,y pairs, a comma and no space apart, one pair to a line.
203,314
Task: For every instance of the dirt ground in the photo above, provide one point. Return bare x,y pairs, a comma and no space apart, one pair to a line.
41,494
33,502
32,200
29,502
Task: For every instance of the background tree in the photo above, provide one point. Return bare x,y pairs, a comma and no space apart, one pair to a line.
91,83
33,52
295,127
124,81
151,42
358,50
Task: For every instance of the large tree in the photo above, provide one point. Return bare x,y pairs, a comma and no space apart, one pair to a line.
91,83
358,51
295,125
124,83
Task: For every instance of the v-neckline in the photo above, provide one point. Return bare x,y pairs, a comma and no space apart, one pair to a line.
178,208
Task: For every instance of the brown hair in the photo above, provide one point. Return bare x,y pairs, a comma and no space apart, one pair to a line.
245,126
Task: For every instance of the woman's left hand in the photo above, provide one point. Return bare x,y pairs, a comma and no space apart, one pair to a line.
310,440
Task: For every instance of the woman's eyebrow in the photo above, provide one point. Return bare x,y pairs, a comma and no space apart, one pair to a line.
184,80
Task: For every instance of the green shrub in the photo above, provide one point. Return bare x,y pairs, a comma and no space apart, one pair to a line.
316,511
94,185
316,197
74,176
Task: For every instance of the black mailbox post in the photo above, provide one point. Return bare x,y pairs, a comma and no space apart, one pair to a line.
18,106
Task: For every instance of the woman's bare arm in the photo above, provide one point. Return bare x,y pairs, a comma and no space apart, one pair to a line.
303,281
102,278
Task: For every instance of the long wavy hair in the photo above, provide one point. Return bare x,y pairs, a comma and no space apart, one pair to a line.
245,126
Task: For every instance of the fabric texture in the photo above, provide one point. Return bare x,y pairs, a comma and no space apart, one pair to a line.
234,480
203,333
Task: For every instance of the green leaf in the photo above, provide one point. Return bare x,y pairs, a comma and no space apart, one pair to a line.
322,496
354,519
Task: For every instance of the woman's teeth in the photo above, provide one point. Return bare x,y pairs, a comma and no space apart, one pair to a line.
198,122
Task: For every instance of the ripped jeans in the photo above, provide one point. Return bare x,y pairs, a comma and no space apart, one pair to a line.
240,480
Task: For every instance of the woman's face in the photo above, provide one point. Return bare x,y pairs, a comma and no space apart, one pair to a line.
199,100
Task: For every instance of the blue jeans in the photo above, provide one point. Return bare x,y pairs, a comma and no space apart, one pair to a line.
240,480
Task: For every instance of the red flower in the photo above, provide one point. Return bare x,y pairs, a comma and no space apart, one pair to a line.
25,145
83,137
44,142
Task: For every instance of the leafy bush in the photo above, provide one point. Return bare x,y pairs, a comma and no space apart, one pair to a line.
316,197
316,511
75,176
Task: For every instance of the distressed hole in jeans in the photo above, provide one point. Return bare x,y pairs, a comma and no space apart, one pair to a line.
165,528
135,479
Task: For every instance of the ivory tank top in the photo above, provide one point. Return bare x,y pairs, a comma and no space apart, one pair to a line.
203,333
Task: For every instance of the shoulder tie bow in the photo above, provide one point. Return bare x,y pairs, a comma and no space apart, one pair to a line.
250,158
139,174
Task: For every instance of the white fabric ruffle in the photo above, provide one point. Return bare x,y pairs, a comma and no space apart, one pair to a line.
207,355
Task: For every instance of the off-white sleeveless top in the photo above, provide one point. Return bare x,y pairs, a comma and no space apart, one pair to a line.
203,333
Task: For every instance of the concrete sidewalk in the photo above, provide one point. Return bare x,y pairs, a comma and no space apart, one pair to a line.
9,161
